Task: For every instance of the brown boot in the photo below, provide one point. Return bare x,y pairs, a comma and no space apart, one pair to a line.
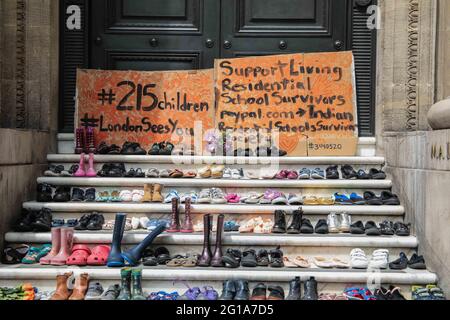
205,258
62,293
187,225
80,288
148,190
217,256
175,220
156,195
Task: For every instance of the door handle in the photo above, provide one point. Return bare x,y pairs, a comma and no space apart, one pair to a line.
338,45
154,42
227,44
283,45
209,43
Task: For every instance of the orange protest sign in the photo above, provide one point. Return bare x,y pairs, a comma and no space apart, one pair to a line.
301,96
144,107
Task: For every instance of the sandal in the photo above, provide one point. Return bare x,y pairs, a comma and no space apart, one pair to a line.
175,173
302,262
176,262
190,261
249,226
79,256
339,264
14,255
310,200
103,196
99,256
288,263
322,262
264,228
115,196
153,173
326,201
190,174
205,172
34,254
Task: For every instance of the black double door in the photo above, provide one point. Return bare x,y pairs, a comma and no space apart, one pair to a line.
190,34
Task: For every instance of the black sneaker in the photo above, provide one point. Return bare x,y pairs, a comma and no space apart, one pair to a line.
62,194
401,229
348,172
322,227
372,199
78,195
276,293
228,291
249,259
362,175
276,258
25,222
372,229
389,199
357,228
83,222
89,195
400,264
95,222
262,258
332,173
232,258
377,174
417,262
259,292
387,228
44,193
307,227
43,222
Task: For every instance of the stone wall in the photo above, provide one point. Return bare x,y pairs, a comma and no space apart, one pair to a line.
28,99
443,60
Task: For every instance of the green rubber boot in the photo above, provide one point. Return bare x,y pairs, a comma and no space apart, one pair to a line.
136,288
125,289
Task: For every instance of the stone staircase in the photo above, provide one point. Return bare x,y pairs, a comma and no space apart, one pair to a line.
173,279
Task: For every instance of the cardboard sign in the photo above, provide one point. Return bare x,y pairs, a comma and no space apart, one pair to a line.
301,96
145,107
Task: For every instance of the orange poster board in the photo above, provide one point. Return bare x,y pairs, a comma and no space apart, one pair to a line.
145,107
301,96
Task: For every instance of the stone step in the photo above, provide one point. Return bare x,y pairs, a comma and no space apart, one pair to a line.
411,277
69,207
230,239
220,183
198,160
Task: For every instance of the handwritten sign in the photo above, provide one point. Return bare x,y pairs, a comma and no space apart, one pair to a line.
301,96
145,107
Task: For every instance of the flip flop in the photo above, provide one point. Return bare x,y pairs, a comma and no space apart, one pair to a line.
288,263
310,201
79,255
99,256
190,174
302,262
175,173
34,255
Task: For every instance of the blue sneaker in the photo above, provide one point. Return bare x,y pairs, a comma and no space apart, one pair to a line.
318,174
304,174
357,199
342,199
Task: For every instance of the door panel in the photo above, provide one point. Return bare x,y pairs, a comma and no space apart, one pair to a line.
283,26
152,35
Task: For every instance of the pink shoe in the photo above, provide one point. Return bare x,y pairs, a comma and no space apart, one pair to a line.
56,246
66,247
81,171
233,198
91,173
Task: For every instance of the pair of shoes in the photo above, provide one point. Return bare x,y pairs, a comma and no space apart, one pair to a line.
152,193
83,256
392,294
207,294
82,172
259,293
379,260
135,173
430,292
415,262
153,258
34,221
85,140
280,225
132,149
235,174
131,285
235,290
287,175
306,174
78,292
35,254
353,199
215,172
112,170
388,228
60,171
62,242
175,225
208,258
92,222
79,195
339,222
212,195
386,198
355,293
117,258
234,258
161,149
103,148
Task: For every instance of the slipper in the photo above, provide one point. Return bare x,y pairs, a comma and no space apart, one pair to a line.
189,174
252,174
233,198
103,196
99,256
310,201
174,263
322,262
152,173
125,196
264,228
205,172
326,201
34,254
339,264
175,173
79,255
302,262
115,196
288,263
190,261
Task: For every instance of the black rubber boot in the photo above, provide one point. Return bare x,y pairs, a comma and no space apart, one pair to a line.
217,257
311,290
205,258
115,259
294,289
133,256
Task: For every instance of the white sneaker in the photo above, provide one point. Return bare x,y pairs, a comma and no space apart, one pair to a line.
332,221
345,223
205,196
144,222
358,259
135,223
217,196
227,173
380,259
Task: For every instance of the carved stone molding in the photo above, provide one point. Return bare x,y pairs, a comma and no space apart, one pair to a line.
21,116
412,70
